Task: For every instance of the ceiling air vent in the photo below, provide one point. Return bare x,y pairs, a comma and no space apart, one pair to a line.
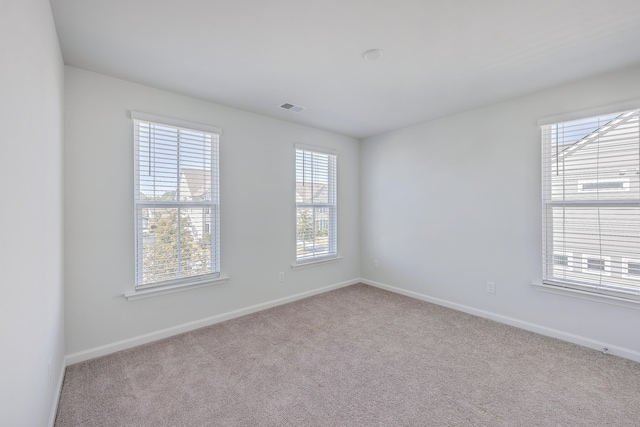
292,107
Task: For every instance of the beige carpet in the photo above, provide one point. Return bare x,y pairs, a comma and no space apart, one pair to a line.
357,356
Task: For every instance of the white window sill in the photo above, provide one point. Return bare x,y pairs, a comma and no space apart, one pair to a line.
314,263
590,296
162,290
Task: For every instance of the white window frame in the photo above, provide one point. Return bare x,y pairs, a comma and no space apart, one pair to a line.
141,290
332,207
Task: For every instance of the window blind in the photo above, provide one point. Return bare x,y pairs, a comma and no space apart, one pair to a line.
176,203
591,204
316,205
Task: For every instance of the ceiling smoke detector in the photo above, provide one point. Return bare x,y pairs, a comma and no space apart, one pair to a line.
372,54
292,107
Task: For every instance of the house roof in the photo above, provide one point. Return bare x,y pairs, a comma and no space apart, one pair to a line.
198,182
310,193
597,134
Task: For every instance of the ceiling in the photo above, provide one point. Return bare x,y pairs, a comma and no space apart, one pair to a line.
440,56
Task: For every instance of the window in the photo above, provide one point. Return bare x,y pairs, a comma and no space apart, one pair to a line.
591,204
316,204
177,205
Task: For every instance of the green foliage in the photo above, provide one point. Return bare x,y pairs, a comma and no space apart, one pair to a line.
322,232
304,224
172,251
310,237
169,195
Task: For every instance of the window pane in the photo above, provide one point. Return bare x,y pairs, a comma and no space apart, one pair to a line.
602,164
176,243
305,232
313,231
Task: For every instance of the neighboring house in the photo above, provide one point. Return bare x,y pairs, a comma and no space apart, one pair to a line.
597,175
309,193
195,185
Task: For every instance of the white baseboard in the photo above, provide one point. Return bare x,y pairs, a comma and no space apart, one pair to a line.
532,327
186,327
58,391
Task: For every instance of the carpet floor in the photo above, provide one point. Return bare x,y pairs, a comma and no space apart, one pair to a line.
356,356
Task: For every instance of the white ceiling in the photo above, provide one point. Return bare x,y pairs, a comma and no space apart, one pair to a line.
440,56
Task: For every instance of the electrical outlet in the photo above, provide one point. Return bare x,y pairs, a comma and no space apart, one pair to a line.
281,277
376,263
491,287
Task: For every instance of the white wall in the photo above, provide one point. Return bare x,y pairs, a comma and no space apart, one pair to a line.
31,306
450,204
257,211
